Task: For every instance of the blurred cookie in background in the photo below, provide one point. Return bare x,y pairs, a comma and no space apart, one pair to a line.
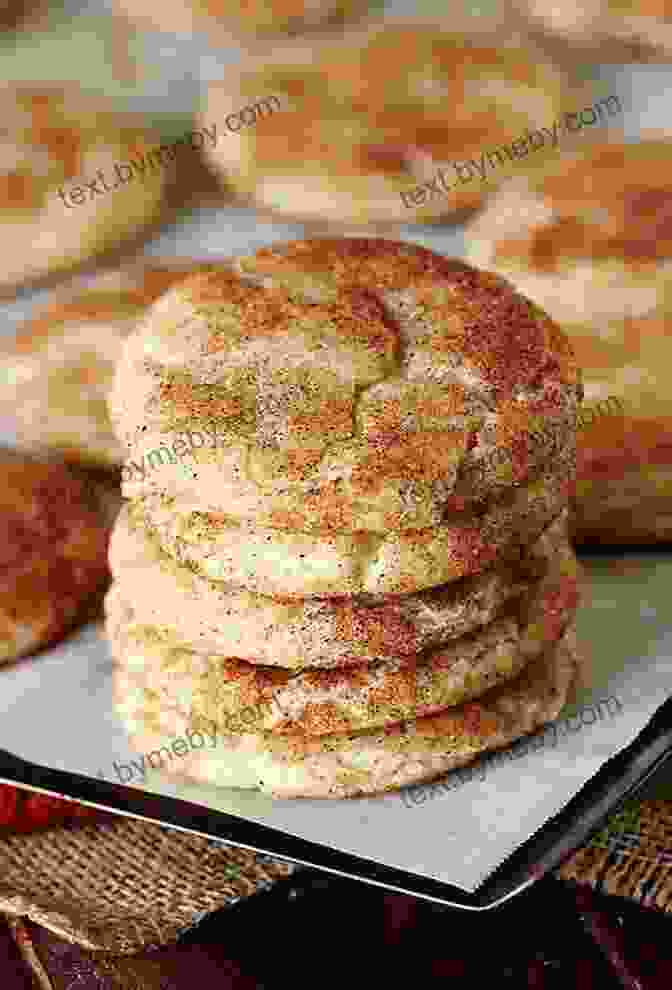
75,179
591,243
11,12
355,130
223,21
56,372
605,30
53,552
23,14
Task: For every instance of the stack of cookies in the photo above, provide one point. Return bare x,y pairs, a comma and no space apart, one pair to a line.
359,577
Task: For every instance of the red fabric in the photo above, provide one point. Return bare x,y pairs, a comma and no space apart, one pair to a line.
26,811
8,804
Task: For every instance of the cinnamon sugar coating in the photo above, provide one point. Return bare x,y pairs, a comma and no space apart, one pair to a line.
350,386
212,617
231,692
223,20
53,553
366,763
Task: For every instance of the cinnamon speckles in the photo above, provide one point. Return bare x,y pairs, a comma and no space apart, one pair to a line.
344,587
53,553
368,411
319,702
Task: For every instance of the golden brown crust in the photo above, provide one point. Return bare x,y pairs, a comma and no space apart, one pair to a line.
319,702
340,766
53,553
361,385
60,364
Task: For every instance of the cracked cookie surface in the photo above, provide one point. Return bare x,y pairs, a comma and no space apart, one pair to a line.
353,386
212,617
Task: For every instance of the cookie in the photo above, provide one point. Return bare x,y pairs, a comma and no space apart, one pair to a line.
344,130
211,617
296,564
60,151
237,695
608,30
618,505
354,386
590,237
366,763
591,242
56,372
22,14
223,22
53,553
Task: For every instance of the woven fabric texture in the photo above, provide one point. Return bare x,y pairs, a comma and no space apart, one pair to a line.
630,857
127,885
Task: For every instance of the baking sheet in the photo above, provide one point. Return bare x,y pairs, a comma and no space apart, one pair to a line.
57,708
58,713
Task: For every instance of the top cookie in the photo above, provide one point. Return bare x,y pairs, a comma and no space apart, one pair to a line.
349,384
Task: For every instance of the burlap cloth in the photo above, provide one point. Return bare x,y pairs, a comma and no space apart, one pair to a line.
630,857
125,886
